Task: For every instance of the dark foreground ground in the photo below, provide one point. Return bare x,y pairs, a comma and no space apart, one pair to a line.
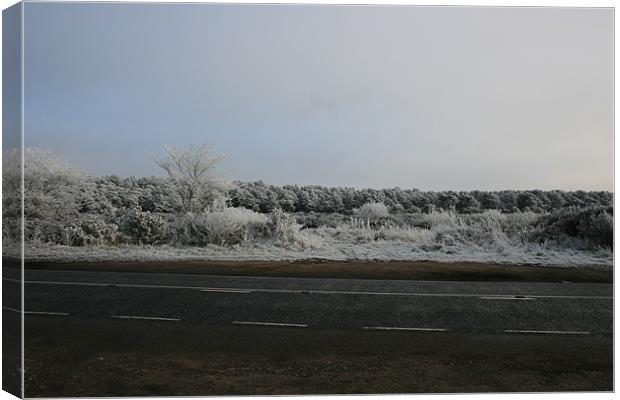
68,357
11,352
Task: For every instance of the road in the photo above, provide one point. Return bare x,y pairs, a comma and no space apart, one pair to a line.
463,307
128,333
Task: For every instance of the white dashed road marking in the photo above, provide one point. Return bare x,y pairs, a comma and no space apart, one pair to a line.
397,328
507,298
45,313
226,290
547,332
147,318
35,312
269,324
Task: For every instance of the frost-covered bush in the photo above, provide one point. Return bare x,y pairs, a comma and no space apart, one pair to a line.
597,228
520,223
353,233
223,227
593,225
366,223
315,220
43,170
443,231
98,231
11,230
144,227
365,230
285,229
408,234
434,219
89,229
52,185
373,211
283,226
74,235
42,231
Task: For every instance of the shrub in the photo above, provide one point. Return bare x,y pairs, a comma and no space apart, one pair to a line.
227,226
316,220
11,230
74,235
88,229
37,230
285,229
597,229
593,225
51,185
373,211
408,234
144,227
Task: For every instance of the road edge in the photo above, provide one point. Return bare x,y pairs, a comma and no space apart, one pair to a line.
338,269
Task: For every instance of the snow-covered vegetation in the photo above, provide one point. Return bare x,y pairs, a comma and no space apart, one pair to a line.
193,214
372,211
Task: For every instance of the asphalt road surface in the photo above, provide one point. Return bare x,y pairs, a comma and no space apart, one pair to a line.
90,333
506,308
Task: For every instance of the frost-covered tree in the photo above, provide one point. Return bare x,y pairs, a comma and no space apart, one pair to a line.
467,204
527,201
51,184
196,164
193,172
448,200
556,200
53,190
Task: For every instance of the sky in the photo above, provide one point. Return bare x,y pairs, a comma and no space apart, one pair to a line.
434,98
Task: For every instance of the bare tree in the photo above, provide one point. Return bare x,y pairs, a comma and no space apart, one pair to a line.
193,172
196,164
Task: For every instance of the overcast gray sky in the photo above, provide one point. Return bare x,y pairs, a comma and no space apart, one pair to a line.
417,97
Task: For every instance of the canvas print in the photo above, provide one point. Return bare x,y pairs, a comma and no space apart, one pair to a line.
277,199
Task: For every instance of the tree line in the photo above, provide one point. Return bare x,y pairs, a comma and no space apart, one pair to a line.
261,197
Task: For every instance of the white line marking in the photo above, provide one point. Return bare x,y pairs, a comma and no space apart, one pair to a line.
224,290
45,313
62,283
298,291
34,312
507,298
548,332
269,324
396,328
147,318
